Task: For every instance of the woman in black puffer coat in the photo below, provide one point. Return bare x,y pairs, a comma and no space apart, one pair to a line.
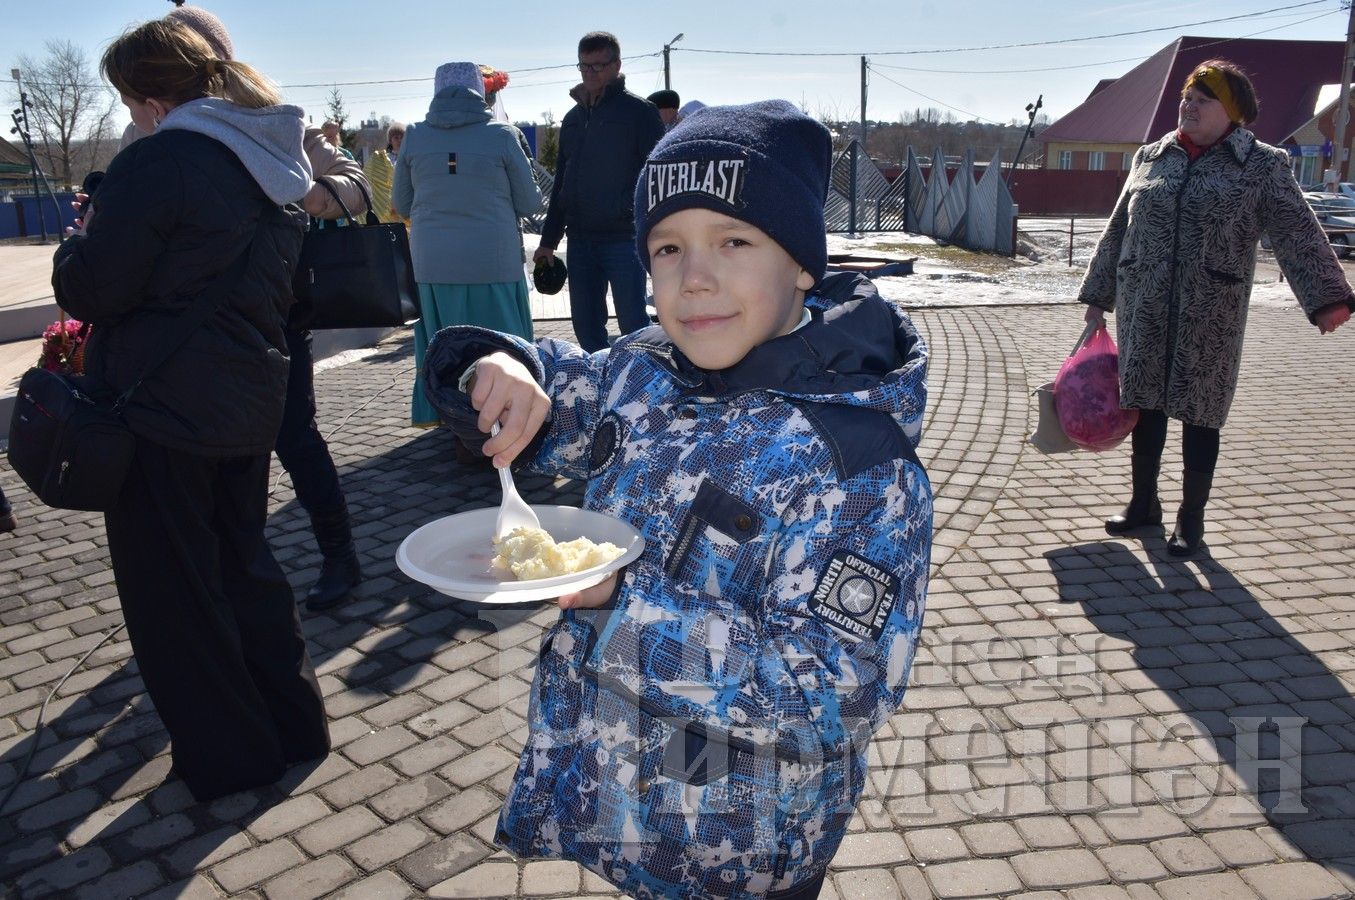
210,614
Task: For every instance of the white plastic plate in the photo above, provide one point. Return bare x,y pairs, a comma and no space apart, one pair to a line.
453,554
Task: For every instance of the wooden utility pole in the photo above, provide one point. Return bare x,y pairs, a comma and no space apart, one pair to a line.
1340,166
667,48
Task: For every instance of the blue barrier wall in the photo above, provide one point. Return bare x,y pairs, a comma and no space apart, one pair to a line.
20,218
9,220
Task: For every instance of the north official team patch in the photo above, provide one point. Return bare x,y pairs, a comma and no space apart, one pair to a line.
855,596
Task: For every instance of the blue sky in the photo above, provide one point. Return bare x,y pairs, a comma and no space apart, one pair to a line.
298,43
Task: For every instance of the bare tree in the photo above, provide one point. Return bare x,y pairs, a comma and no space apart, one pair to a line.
68,104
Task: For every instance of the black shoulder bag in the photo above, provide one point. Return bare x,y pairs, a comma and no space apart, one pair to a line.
357,276
67,437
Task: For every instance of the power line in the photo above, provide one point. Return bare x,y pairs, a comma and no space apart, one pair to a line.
1054,42
359,98
326,84
957,109
333,84
1074,40
874,65
1104,62
1096,37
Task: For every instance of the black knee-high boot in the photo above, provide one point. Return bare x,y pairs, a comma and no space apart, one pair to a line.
1190,517
1143,508
340,571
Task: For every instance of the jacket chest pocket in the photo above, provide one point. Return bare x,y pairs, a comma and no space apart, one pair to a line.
715,550
570,134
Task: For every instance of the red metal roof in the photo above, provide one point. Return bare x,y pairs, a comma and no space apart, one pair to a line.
1101,85
1141,105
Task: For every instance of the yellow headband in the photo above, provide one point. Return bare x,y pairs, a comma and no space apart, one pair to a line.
1218,85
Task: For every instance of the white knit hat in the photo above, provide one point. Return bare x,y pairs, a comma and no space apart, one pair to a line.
690,107
459,74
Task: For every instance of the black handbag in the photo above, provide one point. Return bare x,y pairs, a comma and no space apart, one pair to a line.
68,443
356,276
68,439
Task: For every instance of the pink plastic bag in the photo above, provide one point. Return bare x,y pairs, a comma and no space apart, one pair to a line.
1087,395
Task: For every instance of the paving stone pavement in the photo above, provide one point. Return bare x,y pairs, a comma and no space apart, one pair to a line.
1090,718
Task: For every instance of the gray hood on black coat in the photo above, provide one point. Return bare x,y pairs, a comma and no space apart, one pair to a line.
267,140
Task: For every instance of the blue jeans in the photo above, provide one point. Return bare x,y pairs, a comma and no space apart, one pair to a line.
593,264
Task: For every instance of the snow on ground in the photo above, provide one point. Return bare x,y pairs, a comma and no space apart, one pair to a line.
952,276
1039,274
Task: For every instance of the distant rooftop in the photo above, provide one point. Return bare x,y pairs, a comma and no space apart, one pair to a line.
1141,105
12,155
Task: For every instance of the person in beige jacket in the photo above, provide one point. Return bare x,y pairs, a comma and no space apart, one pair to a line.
342,172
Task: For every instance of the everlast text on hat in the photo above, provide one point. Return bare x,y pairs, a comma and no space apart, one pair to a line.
719,178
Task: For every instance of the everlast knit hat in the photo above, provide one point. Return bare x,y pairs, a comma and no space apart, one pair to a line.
764,163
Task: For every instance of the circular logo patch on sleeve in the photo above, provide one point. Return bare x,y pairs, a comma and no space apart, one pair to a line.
606,441
855,596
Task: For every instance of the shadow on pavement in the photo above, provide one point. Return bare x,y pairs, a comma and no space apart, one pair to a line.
122,748
1255,697
390,495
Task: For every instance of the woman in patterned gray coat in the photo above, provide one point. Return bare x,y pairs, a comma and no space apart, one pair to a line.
1176,263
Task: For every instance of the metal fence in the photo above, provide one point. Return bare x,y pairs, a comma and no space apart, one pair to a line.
977,215
545,182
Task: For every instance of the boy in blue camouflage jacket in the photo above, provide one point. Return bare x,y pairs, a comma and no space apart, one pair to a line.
699,722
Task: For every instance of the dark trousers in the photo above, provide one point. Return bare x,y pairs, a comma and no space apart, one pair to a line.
4,503
300,447
212,620
593,265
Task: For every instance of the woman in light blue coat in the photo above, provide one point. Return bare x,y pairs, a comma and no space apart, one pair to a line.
464,181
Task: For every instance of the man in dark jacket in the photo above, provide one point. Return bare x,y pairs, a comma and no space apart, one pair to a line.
604,141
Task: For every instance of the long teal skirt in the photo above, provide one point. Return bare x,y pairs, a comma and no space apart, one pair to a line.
501,306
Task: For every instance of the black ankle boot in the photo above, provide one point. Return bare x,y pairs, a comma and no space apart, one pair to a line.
338,577
1189,532
1143,508
340,572
7,521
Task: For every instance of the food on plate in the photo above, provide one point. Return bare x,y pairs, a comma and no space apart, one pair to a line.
531,553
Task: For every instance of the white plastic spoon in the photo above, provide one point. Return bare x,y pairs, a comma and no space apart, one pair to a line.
513,510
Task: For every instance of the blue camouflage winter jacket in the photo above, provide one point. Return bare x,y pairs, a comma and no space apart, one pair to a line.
705,734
